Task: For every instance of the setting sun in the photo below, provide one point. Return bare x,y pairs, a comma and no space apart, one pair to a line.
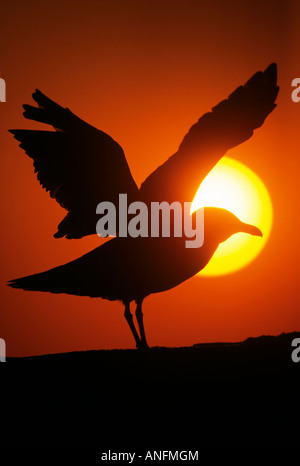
233,186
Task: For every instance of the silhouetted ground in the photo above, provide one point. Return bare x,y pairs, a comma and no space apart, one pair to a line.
209,394
253,358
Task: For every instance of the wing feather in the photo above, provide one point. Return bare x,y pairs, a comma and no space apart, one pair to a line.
230,123
77,164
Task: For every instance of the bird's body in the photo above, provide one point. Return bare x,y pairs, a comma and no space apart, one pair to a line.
123,269
81,166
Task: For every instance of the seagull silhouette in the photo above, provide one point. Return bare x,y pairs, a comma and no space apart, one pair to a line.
81,166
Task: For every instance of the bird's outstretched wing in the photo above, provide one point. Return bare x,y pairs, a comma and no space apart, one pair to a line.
229,123
78,164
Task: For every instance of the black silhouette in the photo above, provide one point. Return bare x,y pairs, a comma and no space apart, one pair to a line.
81,166
242,393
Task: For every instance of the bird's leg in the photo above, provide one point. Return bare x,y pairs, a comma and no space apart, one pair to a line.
139,318
128,317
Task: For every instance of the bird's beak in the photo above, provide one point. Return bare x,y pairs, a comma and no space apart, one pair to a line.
251,229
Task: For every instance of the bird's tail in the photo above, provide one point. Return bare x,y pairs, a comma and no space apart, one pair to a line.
37,282
85,276
71,278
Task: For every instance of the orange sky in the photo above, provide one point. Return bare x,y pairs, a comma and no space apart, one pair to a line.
144,72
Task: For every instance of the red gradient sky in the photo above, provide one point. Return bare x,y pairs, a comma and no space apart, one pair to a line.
144,72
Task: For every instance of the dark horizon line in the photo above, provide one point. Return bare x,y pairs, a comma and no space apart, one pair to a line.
217,344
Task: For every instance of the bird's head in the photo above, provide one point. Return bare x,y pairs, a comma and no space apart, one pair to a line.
221,224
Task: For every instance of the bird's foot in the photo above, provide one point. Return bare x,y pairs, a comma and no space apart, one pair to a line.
142,346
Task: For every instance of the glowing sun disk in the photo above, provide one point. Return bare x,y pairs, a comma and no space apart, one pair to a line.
233,186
